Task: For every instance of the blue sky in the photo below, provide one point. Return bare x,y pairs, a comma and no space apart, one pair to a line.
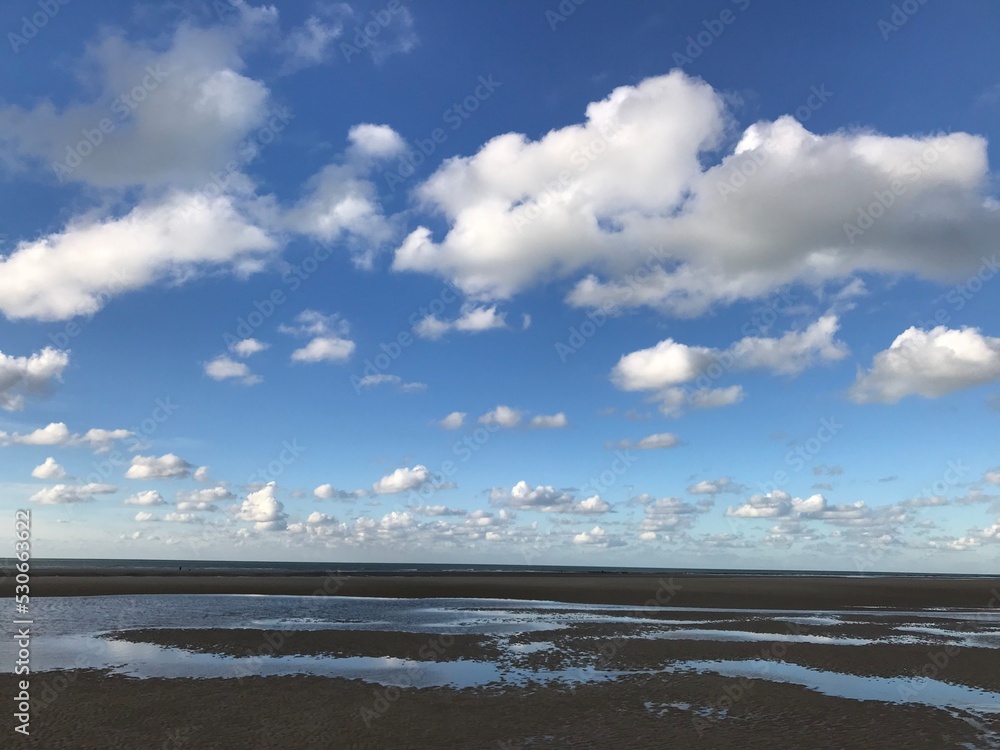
645,283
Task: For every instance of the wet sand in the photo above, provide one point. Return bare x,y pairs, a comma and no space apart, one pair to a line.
660,704
763,592
99,712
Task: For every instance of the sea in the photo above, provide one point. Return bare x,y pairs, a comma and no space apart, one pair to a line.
107,565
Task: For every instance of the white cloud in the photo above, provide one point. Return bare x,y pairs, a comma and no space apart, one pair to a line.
57,433
147,497
100,440
525,497
203,499
164,467
636,181
595,504
370,381
329,337
75,271
651,442
725,485
341,205
376,141
195,112
473,319
438,510
311,43
670,363
711,398
929,364
324,349
48,469
226,368
794,351
504,416
329,492
553,421
597,537
453,421
32,374
401,480
396,35
546,499
993,477
196,506
265,511
779,504
63,494
320,519
201,474
667,513
247,347
144,517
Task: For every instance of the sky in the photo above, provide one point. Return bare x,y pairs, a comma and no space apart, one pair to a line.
588,283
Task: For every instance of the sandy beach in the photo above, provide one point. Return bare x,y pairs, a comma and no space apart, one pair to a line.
570,675
749,591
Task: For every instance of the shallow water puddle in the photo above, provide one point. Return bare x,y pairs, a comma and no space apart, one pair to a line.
921,690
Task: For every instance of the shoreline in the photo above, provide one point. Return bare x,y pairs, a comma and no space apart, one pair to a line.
676,590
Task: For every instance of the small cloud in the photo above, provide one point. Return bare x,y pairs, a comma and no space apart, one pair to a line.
247,347
63,494
371,381
651,442
438,511
453,421
48,469
329,337
226,368
725,485
376,141
472,320
504,416
548,422
149,497
329,492
401,480
164,467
